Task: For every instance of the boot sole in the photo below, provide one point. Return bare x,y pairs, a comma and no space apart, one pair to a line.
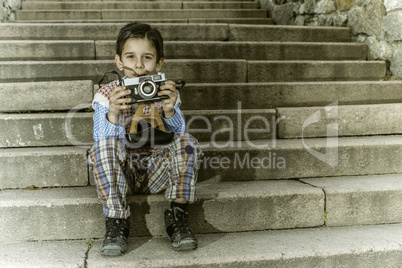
113,250
185,245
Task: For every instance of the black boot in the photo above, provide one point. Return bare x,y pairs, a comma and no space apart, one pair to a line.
117,232
177,230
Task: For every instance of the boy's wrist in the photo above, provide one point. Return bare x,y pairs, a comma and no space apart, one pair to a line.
169,114
114,119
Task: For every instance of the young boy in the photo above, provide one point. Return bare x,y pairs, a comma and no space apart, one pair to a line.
139,52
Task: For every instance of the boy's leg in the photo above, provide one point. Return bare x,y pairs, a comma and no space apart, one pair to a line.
175,168
107,159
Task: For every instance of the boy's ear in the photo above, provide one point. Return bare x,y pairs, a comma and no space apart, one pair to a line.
159,64
119,64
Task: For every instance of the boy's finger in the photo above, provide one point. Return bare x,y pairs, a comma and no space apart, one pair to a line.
116,90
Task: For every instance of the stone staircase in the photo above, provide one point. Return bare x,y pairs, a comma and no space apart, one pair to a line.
301,138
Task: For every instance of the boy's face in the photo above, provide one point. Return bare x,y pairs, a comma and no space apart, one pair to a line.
138,58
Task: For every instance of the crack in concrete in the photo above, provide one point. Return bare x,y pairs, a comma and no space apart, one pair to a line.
325,199
87,253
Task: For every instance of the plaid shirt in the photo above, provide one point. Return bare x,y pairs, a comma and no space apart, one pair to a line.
103,128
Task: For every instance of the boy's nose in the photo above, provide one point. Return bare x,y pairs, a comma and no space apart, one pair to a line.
139,64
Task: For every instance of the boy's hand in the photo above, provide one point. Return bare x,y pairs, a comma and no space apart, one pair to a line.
168,89
117,103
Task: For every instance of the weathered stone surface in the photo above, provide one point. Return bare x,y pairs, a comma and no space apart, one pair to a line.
307,7
367,18
358,247
361,200
44,254
381,119
213,71
139,14
108,31
283,14
289,94
396,64
391,26
88,5
231,125
276,71
189,13
378,49
58,14
344,4
300,20
54,129
46,50
340,19
325,6
53,213
73,128
43,167
313,157
251,50
288,33
45,96
391,5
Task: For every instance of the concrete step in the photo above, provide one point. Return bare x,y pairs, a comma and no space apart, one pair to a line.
353,120
129,1
105,50
297,158
291,71
288,33
107,31
223,161
73,128
35,96
50,129
359,247
138,5
45,96
289,94
361,200
175,32
43,167
264,21
52,213
201,71
191,70
138,13
250,50
46,50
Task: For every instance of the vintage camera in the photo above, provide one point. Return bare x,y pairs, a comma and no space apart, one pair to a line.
145,88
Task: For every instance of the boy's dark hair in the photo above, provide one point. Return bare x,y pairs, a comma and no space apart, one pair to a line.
140,30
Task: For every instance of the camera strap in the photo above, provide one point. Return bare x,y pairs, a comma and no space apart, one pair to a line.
109,72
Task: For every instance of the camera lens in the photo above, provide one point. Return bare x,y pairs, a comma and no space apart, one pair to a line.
147,89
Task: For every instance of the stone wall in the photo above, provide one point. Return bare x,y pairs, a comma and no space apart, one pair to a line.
374,22
8,8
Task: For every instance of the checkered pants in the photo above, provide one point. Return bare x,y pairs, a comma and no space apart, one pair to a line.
117,172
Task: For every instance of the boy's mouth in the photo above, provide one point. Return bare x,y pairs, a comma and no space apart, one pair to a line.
134,73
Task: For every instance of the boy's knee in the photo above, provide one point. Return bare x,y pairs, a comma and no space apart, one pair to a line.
105,147
190,146
107,142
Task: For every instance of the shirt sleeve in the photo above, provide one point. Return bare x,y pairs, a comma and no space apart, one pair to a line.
102,127
175,124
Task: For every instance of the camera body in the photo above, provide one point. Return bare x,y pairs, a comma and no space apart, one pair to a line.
145,88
